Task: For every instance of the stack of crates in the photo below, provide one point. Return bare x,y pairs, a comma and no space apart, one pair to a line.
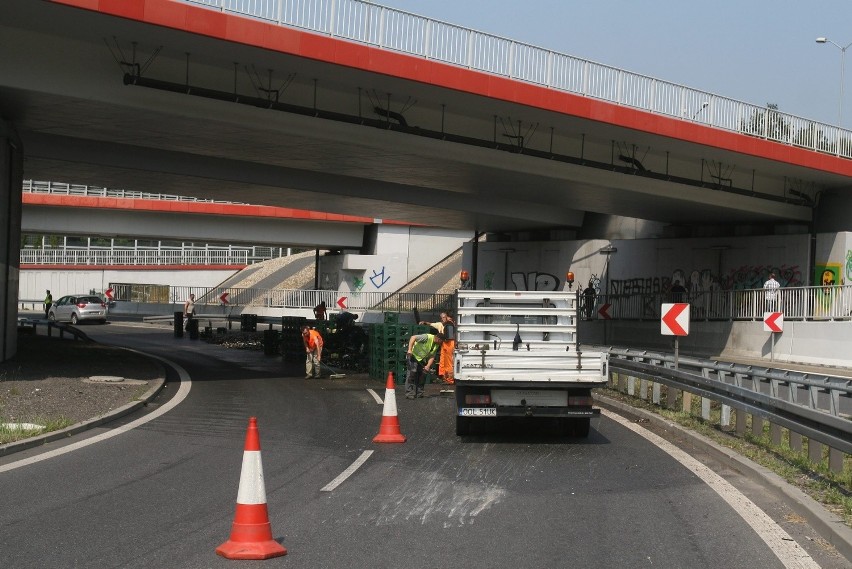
388,346
292,347
321,326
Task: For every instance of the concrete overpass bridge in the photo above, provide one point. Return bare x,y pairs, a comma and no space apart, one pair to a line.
59,209
374,112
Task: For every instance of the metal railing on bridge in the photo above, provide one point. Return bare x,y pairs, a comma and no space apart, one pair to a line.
388,28
141,256
301,299
63,189
796,303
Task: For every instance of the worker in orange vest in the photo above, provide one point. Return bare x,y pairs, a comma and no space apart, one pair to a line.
313,348
447,329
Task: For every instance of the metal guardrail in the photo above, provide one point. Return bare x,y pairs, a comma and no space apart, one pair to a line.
832,302
816,406
368,23
33,324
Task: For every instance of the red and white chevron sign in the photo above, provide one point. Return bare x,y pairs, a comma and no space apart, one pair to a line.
773,321
675,319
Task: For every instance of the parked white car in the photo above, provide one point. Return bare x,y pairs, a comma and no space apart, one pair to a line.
75,308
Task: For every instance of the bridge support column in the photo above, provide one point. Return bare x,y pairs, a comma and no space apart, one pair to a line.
11,179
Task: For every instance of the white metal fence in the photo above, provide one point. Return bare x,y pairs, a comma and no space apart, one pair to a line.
281,298
796,303
141,256
366,22
60,188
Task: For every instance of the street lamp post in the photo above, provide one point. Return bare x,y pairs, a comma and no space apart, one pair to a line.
842,70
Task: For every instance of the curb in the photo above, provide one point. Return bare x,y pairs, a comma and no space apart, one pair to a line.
829,525
32,442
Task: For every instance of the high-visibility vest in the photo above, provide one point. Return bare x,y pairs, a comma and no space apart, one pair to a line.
422,351
314,340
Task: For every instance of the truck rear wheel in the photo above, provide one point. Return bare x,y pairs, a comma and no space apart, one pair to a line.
581,427
462,426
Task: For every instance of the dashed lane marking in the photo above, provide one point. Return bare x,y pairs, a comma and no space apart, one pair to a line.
375,396
348,472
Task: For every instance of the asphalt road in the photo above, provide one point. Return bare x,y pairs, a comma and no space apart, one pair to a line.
162,494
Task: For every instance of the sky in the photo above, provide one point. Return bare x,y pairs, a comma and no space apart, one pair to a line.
755,51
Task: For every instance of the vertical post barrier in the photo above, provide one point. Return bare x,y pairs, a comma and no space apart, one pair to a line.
178,323
725,416
672,393
756,425
814,451
740,416
835,460
796,441
193,329
775,434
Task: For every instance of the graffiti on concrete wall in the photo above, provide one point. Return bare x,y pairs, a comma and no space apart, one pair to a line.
748,277
849,265
827,274
378,278
705,280
534,281
489,280
700,282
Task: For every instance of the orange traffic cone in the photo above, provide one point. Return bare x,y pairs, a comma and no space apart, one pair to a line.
389,430
251,534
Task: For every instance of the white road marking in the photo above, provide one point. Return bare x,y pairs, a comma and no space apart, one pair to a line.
183,391
779,541
348,472
376,397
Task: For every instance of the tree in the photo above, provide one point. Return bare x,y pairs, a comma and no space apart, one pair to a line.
767,123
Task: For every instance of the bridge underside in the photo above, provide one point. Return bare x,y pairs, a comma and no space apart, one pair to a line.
235,122
163,225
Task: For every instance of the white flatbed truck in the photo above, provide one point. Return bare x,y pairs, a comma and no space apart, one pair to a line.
517,355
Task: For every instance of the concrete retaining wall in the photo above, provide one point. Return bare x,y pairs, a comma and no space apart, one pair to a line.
818,343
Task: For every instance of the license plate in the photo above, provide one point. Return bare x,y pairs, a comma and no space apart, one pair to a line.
477,412
529,397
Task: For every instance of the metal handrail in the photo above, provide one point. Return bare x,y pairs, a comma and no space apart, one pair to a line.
142,256
60,188
387,28
740,386
298,299
829,302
